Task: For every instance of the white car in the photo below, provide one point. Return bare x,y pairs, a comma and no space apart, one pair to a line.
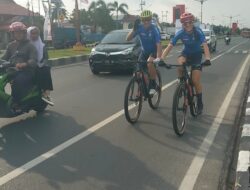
165,36
211,39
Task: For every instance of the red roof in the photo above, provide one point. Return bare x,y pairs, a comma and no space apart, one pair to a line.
11,8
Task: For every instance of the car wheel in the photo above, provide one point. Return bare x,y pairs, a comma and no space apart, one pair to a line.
93,69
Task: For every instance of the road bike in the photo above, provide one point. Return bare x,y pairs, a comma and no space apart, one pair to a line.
184,97
137,91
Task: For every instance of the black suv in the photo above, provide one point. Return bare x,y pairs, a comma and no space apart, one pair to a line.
114,53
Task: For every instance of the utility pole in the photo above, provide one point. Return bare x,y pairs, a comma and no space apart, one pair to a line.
201,1
142,4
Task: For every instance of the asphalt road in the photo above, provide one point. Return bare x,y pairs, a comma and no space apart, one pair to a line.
84,141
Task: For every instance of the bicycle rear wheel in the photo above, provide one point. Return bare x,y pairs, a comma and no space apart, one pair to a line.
156,98
179,109
133,100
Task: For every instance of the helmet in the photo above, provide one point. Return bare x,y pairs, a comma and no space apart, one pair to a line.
17,26
187,17
146,14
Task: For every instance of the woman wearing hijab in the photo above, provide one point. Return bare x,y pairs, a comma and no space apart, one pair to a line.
43,75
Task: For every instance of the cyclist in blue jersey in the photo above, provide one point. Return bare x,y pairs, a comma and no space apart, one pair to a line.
192,37
151,45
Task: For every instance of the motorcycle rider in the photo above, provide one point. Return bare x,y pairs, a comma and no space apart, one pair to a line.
228,35
23,55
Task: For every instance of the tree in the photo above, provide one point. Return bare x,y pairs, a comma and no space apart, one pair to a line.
100,15
118,8
58,10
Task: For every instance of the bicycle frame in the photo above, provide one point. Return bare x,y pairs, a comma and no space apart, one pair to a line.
188,82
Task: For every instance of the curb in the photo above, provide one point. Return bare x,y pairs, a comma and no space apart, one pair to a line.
67,60
243,165
242,156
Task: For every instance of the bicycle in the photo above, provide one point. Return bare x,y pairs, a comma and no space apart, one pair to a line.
138,90
184,96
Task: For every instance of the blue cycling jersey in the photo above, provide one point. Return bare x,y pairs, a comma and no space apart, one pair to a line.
192,42
149,38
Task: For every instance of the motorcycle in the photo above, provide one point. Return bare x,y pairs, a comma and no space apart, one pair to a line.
31,101
227,40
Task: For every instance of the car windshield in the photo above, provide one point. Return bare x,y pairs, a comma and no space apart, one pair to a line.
117,37
206,33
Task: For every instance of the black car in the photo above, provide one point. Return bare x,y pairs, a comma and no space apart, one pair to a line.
114,53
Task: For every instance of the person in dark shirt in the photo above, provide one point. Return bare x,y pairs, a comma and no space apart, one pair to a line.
23,55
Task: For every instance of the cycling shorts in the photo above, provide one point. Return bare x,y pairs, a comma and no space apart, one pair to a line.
193,60
143,57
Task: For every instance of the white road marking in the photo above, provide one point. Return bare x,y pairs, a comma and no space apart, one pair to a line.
22,169
236,51
248,111
248,99
199,159
243,161
245,130
245,51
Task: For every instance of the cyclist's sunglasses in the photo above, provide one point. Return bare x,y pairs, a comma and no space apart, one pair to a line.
146,19
187,23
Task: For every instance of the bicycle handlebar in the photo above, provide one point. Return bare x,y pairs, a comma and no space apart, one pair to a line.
162,63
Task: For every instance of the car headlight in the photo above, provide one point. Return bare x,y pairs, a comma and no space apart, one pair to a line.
127,51
93,51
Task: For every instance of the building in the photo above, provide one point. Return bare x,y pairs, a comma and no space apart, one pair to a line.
177,11
11,12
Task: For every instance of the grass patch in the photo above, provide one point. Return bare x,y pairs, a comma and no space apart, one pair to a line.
57,53
164,43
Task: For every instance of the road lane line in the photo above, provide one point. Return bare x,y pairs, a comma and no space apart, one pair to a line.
15,173
243,161
29,165
248,99
194,169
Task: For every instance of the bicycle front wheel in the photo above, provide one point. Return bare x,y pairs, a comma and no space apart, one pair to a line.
133,100
179,109
155,99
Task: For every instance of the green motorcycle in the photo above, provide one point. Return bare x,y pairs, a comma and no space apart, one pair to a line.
32,101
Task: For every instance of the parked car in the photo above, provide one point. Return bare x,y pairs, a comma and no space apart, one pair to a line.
114,53
165,36
211,39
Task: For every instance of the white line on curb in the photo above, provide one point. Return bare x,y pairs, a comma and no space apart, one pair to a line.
246,130
243,161
248,111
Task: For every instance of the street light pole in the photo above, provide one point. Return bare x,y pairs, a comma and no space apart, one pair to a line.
201,1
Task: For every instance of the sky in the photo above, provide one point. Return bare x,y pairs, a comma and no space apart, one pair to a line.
214,11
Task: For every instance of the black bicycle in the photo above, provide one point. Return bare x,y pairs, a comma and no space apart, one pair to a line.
183,98
137,91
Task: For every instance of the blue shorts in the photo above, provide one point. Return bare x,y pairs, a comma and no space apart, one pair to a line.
143,60
193,60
